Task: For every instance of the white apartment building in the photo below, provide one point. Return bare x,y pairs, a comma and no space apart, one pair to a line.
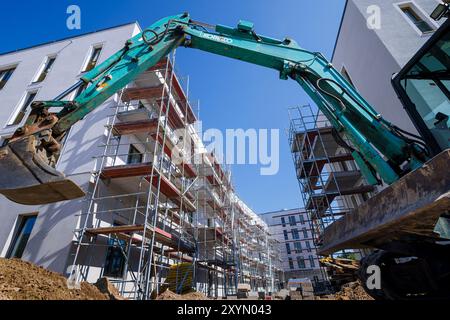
292,229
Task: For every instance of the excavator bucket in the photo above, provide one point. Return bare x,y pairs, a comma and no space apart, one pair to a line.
26,178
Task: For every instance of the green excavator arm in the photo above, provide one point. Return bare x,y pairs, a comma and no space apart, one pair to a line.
382,151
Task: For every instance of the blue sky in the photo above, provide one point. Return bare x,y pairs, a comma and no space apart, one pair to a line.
232,94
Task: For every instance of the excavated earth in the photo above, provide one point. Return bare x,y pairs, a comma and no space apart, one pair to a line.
352,291
21,280
169,295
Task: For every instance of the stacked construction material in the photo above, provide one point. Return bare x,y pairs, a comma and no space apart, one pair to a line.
340,271
179,278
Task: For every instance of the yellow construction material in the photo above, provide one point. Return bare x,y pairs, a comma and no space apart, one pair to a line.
180,277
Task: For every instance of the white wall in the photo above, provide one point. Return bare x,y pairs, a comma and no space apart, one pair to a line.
371,57
51,238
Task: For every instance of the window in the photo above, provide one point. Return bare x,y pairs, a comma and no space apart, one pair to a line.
288,248
308,246
302,219
291,264
93,59
115,258
305,233
298,246
292,221
134,156
5,75
424,88
301,262
285,235
283,221
295,234
416,18
23,109
26,224
312,262
45,69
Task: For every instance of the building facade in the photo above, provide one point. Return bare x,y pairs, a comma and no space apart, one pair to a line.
376,39
292,230
147,222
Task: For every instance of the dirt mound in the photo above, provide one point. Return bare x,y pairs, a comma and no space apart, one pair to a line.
20,280
108,288
169,295
352,291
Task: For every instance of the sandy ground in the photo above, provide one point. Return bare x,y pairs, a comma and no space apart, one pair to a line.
169,295
20,280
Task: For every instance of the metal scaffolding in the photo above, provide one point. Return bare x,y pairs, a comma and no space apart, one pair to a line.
330,182
156,217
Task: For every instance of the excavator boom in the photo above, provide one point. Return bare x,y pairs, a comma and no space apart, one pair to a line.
381,150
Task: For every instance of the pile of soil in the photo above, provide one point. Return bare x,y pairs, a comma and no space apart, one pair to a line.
21,280
169,295
352,291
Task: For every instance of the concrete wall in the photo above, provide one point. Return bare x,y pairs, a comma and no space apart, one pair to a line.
51,238
372,56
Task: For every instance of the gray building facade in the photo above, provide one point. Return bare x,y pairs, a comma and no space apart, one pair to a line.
376,39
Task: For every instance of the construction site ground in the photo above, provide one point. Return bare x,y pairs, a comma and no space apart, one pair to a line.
21,280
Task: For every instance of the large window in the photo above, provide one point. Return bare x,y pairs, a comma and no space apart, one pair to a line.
416,18
312,263
305,233
292,221
5,75
302,218
283,221
288,248
20,240
115,258
45,69
298,247
308,246
26,102
301,262
134,156
285,233
295,234
291,263
423,85
93,58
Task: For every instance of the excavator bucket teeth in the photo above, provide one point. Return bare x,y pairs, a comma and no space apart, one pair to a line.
26,179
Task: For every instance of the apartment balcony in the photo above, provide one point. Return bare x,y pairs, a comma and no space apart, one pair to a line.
129,176
339,183
141,129
135,234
